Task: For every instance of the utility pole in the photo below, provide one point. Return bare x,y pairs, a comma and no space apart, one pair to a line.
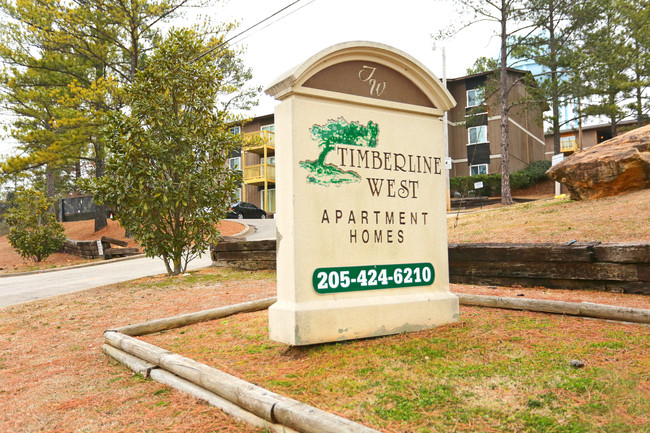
445,127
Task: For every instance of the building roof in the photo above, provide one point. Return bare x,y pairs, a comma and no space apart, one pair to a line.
596,126
466,77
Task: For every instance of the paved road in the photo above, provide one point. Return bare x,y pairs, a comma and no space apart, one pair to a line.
262,229
24,288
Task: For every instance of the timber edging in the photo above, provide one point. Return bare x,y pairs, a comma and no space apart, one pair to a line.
616,267
90,249
264,408
247,255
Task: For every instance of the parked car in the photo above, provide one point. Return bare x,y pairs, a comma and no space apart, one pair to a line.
245,210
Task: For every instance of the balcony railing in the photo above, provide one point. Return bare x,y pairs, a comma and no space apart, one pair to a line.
257,140
568,146
259,173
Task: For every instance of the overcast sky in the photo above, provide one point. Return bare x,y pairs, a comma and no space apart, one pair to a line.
405,24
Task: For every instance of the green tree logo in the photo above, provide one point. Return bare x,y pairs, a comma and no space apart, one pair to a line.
328,136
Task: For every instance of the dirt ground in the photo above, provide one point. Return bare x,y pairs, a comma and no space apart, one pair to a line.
10,260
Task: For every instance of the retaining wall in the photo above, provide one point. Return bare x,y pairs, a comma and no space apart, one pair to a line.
617,267
91,249
248,255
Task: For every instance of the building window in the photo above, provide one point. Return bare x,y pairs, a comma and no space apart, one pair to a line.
478,169
475,97
236,130
234,163
270,127
477,134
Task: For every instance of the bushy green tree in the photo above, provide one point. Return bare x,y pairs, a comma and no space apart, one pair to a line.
167,174
66,65
34,232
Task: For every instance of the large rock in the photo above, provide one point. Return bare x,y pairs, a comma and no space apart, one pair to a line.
612,167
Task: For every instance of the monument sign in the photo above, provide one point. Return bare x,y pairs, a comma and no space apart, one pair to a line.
361,221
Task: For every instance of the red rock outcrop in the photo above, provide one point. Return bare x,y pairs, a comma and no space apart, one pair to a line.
612,167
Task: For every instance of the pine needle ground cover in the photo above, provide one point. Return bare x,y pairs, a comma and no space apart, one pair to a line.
495,370
624,218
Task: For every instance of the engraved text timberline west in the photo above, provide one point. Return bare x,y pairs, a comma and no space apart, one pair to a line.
391,161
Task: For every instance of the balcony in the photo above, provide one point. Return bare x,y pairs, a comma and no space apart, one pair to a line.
568,146
259,174
259,142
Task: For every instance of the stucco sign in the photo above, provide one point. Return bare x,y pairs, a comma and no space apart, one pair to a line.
362,244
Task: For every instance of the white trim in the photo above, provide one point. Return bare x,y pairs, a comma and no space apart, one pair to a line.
469,135
458,161
476,114
478,165
235,158
543,143
498,117
475,90
412,69
362,100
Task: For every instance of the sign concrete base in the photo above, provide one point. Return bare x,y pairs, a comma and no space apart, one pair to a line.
339,320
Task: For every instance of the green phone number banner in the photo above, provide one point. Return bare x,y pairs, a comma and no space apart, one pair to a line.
372,277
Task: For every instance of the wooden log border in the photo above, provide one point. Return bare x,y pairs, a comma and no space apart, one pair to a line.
584,309
243,400
262,408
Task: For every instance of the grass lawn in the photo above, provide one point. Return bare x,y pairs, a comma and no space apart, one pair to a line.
495,370
624,218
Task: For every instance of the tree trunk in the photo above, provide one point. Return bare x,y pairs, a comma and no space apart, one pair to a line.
100,213
506,194
169,269
49,181
555,98
177,265
77,173
639,101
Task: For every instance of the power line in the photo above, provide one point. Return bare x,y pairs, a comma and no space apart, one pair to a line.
211,50
273,22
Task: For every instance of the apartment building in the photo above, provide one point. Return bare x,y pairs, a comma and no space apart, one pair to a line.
570,141
474,138
256,160
475,131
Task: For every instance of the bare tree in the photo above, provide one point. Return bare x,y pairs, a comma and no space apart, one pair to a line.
508,15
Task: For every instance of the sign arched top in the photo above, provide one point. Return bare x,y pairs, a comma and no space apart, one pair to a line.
367,73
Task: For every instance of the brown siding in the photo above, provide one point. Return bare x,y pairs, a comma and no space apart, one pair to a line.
589,139
523,148
256,124
253,195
